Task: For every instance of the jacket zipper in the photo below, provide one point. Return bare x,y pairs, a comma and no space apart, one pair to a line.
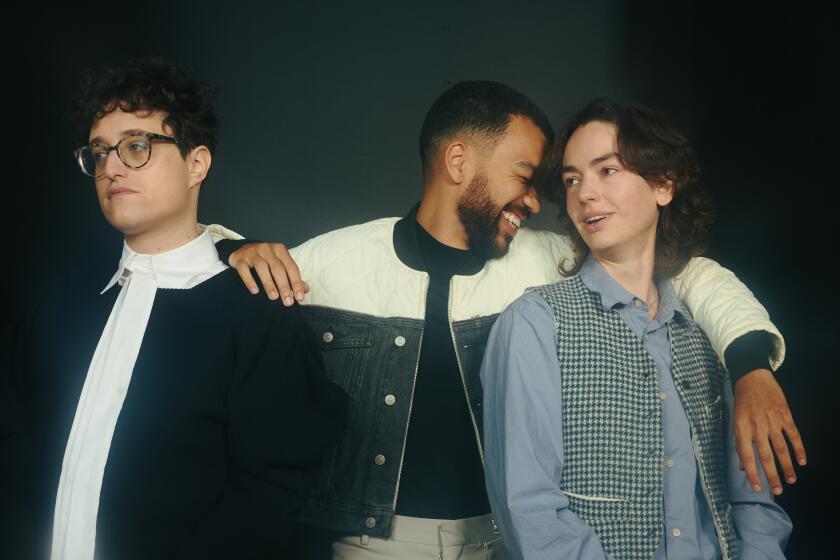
411,402
461,371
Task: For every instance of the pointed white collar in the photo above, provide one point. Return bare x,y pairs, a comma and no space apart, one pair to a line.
170,269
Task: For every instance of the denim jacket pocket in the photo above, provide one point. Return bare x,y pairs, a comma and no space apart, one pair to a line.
345,349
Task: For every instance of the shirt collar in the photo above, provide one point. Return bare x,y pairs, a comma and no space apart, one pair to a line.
407,247
170,269
614,296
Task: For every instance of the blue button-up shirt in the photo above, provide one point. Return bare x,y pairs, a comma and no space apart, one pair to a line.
523,435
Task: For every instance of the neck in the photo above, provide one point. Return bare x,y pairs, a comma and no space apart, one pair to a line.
159,240
439,216
634,274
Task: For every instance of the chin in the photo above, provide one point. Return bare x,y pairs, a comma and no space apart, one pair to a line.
501,246
127,225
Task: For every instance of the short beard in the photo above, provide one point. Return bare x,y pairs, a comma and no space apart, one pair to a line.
480,219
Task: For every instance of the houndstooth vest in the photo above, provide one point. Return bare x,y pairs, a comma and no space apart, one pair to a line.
612,429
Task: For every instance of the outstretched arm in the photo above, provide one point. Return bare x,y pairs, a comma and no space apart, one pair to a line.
735,322
762,526
277,270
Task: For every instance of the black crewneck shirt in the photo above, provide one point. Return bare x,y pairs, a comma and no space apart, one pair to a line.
442,476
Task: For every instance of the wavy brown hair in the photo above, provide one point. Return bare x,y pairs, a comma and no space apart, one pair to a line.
651,147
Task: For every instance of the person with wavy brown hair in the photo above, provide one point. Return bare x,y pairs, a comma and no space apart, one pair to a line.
608,416
657,152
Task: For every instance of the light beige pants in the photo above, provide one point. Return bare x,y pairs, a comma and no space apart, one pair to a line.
413,538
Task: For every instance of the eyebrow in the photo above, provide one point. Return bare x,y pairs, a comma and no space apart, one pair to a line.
123,134
528,166
596,161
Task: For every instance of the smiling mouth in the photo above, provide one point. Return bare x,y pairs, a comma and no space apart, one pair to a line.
512,219
594,219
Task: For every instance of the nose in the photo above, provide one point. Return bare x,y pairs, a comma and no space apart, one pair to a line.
114,167
531,200
587,191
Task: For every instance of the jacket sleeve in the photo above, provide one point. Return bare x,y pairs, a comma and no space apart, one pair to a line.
228,241
284,415
724,307
523,438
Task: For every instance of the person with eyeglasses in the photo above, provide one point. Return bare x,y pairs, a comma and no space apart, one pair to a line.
158,411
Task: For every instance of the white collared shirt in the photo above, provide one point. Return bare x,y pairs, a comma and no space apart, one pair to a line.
108,379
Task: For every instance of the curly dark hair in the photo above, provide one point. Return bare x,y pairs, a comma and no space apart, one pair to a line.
649,146
150,84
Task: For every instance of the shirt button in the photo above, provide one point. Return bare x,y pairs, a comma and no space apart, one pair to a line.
637,303
370,522
379,460
662,396
669,463
400,341
676,532
390,400
327,337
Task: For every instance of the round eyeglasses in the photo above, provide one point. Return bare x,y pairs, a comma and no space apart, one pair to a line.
134,151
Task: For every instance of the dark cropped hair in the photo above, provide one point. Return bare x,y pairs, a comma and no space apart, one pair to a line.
481,108
150,84
651,147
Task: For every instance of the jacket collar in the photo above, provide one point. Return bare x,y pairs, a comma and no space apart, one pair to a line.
408,249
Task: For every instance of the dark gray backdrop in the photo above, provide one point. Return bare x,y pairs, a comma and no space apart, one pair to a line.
321,105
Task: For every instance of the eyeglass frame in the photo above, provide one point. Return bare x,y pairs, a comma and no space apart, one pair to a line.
116,147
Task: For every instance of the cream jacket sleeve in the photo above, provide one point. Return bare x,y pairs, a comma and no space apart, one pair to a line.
724,307
721,304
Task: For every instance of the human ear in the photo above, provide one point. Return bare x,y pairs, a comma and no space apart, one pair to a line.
199,160
454,161
664,192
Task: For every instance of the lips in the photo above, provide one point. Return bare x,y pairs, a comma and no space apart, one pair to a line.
118,191
593,222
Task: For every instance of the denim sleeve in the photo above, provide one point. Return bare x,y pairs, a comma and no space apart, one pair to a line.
523,438
762,526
